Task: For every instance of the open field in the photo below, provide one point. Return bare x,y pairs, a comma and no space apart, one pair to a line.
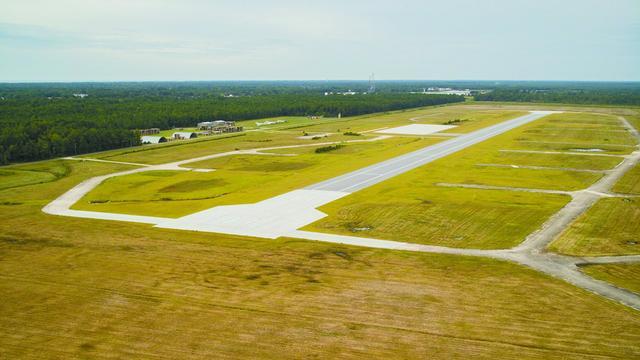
627,111
237,179
608,228
410,208
578,131
626,276
630,182
125,290
444,115
251,178
453,217
115,289
288,133
15,178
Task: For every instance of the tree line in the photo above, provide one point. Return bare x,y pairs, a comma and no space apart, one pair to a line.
41,123
602,96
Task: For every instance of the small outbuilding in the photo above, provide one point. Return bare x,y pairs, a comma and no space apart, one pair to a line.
153,139
181,135
152,131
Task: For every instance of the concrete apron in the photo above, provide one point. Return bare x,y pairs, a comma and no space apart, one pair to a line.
271,218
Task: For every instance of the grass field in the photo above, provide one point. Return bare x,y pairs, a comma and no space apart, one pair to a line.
577,131
469,120
237,179
420,213
410,208
14,178
250,178
114,289
288,133
629,183
626,276
610,227
80,288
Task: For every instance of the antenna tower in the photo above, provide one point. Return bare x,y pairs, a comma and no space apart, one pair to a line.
372,83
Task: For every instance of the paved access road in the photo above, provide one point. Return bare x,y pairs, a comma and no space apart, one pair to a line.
379,172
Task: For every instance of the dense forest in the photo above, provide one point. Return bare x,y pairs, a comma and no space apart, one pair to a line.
44,120
567,96
40,122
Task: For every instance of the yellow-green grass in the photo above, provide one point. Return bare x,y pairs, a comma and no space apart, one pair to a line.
634,120
465,166
410,208
558,132
630,182
418,213
626,276
189,149
291,122
288,133
80,288
10,178
552,160
472,119
598,109
28,174
610,227
237,179
251,178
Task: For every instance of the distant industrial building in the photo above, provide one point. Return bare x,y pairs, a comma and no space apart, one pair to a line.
444,91
152,131
219,127
182,135
153,139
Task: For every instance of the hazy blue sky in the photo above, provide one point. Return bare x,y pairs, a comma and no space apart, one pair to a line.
86,40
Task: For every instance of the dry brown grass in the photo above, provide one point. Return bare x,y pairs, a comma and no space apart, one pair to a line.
77,288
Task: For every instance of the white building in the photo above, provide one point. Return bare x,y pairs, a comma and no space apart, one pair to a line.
152,139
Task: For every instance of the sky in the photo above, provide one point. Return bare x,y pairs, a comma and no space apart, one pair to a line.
167,40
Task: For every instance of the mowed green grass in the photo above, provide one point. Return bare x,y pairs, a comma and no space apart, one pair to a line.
470,119
412,211
634,120
578,131
552,160
629,183
413,208
21,175
610,227
238,179
80,288
13,178
626,276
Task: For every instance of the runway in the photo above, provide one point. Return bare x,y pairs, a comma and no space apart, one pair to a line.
284,214
371,175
